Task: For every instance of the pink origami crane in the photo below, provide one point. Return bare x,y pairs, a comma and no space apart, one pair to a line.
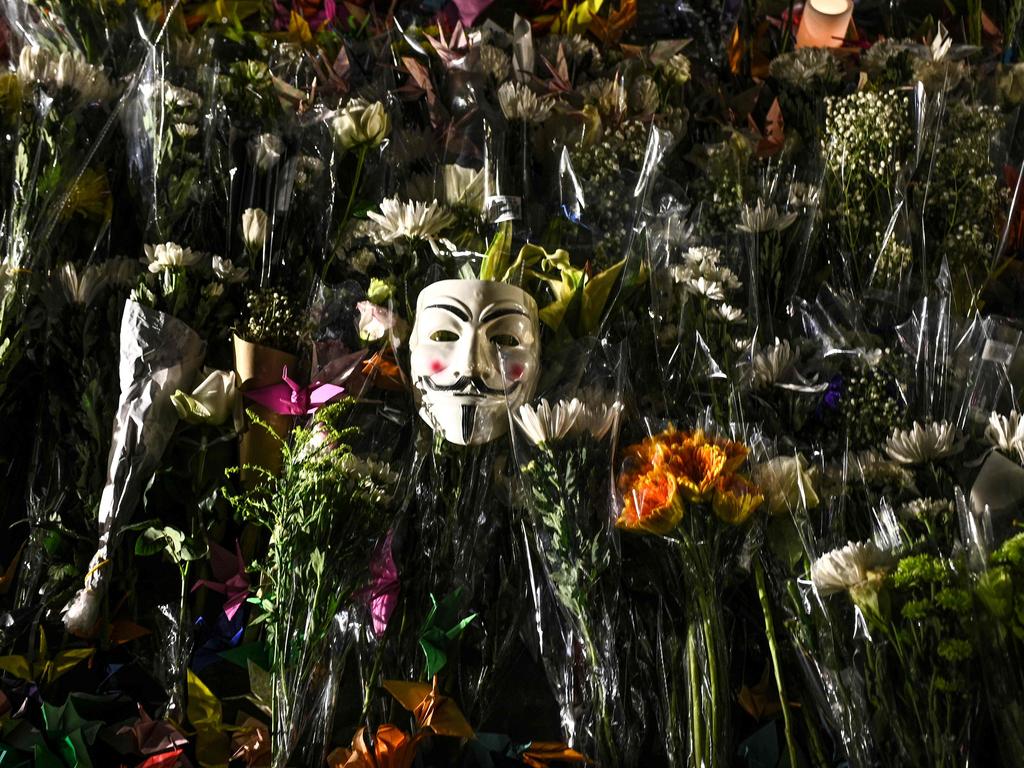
289,398
156,738
382,595
229,578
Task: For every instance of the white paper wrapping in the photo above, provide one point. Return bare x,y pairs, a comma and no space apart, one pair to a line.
159,354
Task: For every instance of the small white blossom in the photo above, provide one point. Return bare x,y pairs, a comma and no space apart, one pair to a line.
727,313
599,418
920,443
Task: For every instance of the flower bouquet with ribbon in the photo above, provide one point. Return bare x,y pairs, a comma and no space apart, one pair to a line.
563,452
686,486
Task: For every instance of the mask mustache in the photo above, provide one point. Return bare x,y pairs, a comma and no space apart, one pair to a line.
472,384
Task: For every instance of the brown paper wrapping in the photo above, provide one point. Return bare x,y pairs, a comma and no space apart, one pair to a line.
259,366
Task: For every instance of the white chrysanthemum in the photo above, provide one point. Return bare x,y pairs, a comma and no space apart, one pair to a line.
771,364
35,65
495,62
921,443
227,271
82,288
89,82
764,218
1006,433
643,96
412,220
186,130
518,102
176,97
545,423
848,568
169,256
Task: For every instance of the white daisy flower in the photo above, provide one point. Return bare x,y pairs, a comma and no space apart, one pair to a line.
169,256
727,313
82,288
764,218
227,271
599,418
543,424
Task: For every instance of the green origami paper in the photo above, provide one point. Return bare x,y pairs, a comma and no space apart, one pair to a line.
440,628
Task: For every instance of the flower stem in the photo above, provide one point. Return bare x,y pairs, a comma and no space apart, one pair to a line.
356,178
696,735
773,646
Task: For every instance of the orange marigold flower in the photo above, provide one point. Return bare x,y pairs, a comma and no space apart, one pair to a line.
651,502
736,499
696,465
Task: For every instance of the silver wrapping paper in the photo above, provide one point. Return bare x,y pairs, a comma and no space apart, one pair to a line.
159,354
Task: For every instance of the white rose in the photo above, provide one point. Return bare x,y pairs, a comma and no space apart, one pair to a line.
785,482
375,322
254,228
227,271
361,124
267,150
212,402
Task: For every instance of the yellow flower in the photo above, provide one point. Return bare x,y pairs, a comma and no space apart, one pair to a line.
736,499
89,196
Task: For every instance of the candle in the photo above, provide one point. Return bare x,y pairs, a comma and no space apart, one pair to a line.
824,23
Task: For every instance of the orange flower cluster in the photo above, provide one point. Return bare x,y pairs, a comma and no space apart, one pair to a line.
664,473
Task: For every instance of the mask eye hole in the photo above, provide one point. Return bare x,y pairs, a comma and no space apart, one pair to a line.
504,340
444,336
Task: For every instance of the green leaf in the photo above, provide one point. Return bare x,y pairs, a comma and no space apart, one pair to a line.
498,255
150,542
595,296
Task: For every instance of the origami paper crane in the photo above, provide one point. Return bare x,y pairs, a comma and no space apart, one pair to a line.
229,578
43,669
430,708
289,398
392,748
439,629
382,595
153,737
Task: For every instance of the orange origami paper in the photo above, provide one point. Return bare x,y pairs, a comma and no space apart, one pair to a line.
540,754
392,748
611,30
430,708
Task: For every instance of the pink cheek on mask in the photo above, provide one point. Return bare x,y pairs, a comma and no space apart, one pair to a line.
516,371
436,366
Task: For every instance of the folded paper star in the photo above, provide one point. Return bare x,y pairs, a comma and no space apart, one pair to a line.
430,708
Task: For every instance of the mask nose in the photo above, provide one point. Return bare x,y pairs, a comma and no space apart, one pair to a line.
473,357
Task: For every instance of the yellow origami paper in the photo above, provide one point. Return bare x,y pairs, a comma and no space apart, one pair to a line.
430,708
43,669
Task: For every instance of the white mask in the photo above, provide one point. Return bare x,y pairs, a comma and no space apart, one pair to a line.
475,353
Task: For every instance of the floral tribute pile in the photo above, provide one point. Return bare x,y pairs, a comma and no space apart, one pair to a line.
483,383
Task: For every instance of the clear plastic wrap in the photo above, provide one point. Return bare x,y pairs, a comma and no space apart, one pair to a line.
562,451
